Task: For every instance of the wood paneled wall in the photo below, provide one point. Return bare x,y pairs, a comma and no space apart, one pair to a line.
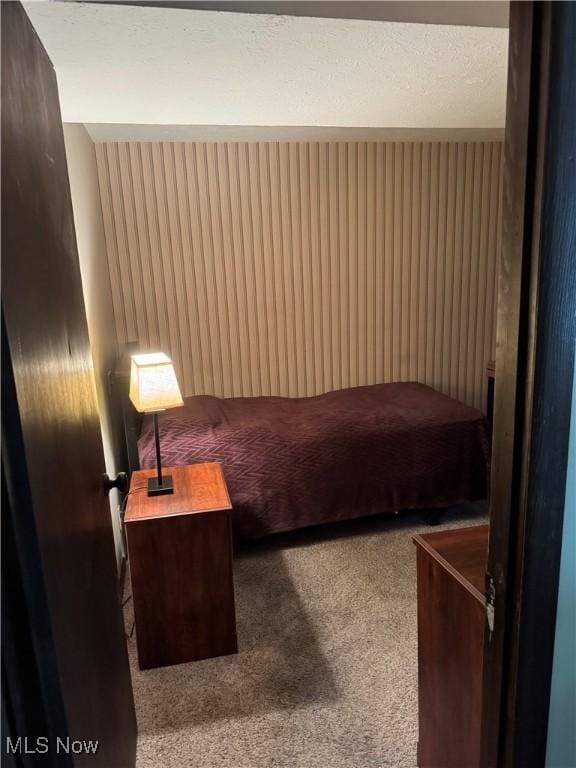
296,268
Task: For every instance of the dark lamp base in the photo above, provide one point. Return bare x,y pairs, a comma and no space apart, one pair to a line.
155,489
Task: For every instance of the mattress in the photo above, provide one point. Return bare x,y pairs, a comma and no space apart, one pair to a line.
296,462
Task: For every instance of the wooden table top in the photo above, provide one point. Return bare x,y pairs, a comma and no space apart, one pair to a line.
198,488
463,551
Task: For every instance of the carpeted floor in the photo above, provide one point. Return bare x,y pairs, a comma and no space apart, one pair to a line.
326,674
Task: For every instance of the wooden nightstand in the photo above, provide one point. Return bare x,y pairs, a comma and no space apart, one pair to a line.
180,554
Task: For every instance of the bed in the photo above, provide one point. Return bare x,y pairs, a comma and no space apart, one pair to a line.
296,462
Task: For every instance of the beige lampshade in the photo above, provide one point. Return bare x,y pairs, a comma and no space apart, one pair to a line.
153,384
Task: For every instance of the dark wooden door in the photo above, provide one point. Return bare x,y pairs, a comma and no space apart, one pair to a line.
536,344
54,406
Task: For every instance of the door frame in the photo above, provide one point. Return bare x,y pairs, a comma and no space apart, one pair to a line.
536,340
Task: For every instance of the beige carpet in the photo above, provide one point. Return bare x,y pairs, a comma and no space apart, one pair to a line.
326,675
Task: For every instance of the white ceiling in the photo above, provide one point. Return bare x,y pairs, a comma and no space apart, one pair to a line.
164,66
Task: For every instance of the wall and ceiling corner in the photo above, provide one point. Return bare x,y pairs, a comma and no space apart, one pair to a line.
81,160
311,100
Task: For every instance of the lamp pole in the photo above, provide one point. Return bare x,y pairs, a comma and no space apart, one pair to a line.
157,439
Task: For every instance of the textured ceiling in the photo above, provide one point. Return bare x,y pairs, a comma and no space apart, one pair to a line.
130,64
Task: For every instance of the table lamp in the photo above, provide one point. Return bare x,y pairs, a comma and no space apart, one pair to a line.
154,388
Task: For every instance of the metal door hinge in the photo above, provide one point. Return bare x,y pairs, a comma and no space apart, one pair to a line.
490,594
120,482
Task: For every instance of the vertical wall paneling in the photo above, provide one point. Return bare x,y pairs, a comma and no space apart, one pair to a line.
294,268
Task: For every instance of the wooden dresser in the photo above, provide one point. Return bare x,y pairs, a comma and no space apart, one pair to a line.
451,619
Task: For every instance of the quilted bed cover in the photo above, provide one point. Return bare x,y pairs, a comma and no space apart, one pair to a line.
296,462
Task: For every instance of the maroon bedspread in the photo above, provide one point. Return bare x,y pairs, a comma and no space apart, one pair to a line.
291,463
